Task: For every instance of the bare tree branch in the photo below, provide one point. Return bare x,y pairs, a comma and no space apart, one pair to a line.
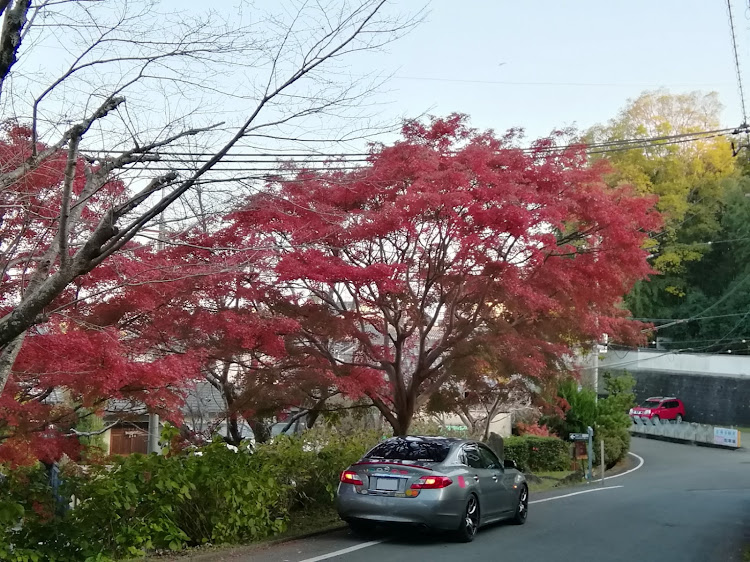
75,433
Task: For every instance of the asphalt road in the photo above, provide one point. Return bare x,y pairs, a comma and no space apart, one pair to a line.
684,504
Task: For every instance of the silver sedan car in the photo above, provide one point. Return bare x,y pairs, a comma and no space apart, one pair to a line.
435,482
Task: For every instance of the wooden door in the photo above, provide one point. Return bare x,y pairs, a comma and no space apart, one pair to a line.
128,440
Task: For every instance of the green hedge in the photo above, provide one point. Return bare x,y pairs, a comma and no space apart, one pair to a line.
145,503
534,454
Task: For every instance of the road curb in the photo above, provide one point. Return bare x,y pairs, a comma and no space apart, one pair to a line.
228,553
629,463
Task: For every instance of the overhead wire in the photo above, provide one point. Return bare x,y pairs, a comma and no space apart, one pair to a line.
724,297
737,62
608,146
685,319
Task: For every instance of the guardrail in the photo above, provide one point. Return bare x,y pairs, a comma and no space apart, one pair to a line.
700,434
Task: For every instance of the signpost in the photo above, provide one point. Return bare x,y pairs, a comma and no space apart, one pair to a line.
588,439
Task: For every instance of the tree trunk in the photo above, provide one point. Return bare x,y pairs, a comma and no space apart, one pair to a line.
10,39
8,357
233,436
261,431
403,420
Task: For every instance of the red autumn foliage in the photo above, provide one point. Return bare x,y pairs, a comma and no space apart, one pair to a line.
533,429
194,298
68,362
451,250
449,237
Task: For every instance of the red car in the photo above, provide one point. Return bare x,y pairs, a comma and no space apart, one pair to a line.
660,408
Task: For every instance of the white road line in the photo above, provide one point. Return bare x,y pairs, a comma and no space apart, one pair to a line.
640,464
576,494
340,552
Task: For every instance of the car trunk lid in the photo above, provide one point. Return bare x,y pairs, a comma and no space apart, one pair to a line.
392,477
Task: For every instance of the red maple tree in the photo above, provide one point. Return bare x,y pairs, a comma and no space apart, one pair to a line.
203,297
67,364
449,236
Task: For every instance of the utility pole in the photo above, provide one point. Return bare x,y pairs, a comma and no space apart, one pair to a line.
154,427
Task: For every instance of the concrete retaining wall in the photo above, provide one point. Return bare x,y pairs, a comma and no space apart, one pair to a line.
709,399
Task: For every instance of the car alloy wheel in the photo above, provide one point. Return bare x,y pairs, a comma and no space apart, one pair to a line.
679,418
470,523
522,509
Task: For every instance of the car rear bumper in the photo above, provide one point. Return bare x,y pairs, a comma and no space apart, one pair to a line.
431,508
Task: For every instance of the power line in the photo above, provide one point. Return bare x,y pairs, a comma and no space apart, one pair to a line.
274,170
724,297
688,319
681,350
737,339
626,144
737,62
519,83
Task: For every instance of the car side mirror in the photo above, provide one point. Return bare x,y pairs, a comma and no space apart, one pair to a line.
508,463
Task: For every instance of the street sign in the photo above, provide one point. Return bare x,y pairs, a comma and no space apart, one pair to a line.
726,436
579,437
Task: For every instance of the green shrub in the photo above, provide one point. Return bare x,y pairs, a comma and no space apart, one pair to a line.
311,463
616,445
534,454
612,420
607,416
143,503
517,449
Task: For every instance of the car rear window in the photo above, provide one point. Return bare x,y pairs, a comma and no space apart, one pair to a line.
410,449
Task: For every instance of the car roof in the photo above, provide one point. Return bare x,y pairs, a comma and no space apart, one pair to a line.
662,398
430,438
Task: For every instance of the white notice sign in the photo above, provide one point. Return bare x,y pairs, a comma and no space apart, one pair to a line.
727,437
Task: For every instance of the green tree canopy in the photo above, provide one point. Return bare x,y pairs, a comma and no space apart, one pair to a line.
701,196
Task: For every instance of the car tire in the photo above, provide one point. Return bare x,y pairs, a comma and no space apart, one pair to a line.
360,527
655,417
522,507
469,526
678,418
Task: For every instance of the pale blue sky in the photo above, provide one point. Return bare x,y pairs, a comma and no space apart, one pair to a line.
535,64
566,62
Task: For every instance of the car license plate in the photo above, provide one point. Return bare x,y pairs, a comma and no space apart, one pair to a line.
390,484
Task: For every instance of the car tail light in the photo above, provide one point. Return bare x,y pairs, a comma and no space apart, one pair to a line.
351,477
431,483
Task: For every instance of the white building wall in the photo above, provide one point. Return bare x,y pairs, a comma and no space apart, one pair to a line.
654,360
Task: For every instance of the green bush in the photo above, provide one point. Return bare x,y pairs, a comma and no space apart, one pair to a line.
612,420
535,454
517,449
607,416
144,503
616,445
311,464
